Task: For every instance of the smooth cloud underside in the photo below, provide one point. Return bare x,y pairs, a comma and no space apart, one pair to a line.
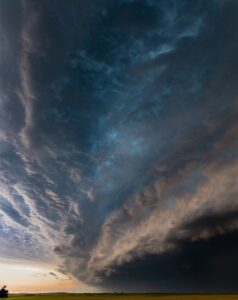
119,139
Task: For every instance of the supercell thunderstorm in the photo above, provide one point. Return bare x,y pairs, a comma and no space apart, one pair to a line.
119,139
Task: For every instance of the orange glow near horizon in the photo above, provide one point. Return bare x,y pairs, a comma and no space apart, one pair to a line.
23,278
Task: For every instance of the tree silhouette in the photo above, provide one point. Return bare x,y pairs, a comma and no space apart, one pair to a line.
4,292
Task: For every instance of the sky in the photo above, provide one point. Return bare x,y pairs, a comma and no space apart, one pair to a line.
119,145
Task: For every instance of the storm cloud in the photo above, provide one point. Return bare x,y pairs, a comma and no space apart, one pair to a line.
119,140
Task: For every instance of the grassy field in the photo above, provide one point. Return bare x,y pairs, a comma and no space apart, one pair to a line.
122,297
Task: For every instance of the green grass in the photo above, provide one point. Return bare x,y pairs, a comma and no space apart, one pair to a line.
122,297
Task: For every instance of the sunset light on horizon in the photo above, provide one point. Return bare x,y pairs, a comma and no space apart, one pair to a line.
24,278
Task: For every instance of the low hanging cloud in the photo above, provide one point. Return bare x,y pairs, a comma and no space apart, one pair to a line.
54,275
118,136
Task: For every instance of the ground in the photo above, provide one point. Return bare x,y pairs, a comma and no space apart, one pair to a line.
122,297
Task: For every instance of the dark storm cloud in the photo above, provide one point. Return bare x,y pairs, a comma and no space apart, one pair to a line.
201,266
118,136
210,225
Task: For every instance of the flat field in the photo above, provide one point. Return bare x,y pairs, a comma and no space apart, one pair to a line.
123,297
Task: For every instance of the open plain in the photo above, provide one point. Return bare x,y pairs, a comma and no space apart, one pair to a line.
125,297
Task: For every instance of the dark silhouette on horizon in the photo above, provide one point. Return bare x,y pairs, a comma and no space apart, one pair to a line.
4,292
